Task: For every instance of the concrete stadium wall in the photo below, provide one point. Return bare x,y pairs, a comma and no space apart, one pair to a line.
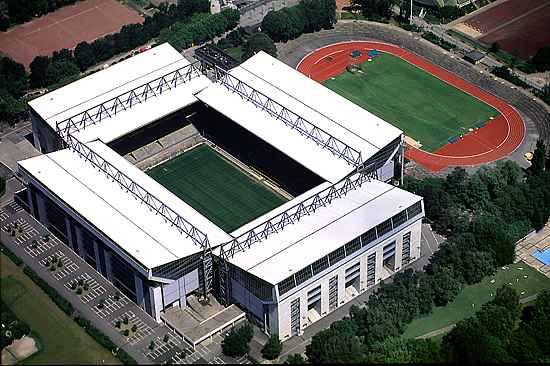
301,292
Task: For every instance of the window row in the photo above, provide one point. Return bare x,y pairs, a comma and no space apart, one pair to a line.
349,248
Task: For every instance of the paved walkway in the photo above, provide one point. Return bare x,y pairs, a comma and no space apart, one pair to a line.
102,303
537,241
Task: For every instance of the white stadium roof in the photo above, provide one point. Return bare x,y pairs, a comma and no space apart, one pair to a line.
286,252
118,79
140,232
325,109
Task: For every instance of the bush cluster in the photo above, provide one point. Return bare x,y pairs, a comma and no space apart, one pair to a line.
306,17
199,28
438,41
235,344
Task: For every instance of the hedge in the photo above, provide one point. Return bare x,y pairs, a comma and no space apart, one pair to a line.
11,255
105,341
61,302
429,36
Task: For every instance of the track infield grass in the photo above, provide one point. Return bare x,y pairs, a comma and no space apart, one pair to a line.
424,107
216,187
60,339
478,295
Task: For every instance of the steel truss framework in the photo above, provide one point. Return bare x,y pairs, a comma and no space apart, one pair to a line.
288,217
154,204
129,99
290,118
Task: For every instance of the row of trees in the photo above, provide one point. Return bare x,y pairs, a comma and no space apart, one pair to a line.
13,84
501,332
17,11
482,215
65,65
306,17
200,28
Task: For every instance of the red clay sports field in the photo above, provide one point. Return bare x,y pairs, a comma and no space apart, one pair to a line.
498,138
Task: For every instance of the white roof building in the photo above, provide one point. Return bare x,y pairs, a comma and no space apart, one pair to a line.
141,233
105,85
324,109
286,252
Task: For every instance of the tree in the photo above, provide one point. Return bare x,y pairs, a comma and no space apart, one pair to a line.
13,76
259,42
495,47
39,68
538,161
235,344
523,346
331,346
84,55
10,108
446,286
497,320
61,70
469,342
541,59
508,298
272,348
295,359
4,16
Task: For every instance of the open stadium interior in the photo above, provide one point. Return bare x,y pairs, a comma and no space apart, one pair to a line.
251,187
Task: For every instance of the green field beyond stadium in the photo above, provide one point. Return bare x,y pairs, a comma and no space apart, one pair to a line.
216,188
524,279
424,107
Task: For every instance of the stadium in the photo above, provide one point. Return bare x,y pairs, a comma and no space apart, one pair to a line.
208,195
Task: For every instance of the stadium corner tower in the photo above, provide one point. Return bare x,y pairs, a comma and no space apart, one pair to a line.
194,250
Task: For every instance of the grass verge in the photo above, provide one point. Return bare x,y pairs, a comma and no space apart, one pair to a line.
478,295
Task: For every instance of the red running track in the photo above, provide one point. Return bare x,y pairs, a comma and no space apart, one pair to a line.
495,140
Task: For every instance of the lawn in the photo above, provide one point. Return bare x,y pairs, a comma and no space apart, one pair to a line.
478,295
424,107
61,340
216,188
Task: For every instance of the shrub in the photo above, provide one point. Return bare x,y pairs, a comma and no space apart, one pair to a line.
134,328
235,344
272,348
79,291
126,332
166,338
86,286
152,345
50,291
125,320
118,324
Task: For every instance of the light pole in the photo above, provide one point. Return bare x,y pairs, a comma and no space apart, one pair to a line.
411,17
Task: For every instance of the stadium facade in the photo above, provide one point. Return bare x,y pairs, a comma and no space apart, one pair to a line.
343,230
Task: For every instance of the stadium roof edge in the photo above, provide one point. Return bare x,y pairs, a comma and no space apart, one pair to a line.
102,86
146,236
284,253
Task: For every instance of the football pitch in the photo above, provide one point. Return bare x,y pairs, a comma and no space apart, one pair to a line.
216,188
424,107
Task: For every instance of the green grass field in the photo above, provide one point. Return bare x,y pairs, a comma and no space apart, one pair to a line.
424,107
216,188
61,340
478,295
